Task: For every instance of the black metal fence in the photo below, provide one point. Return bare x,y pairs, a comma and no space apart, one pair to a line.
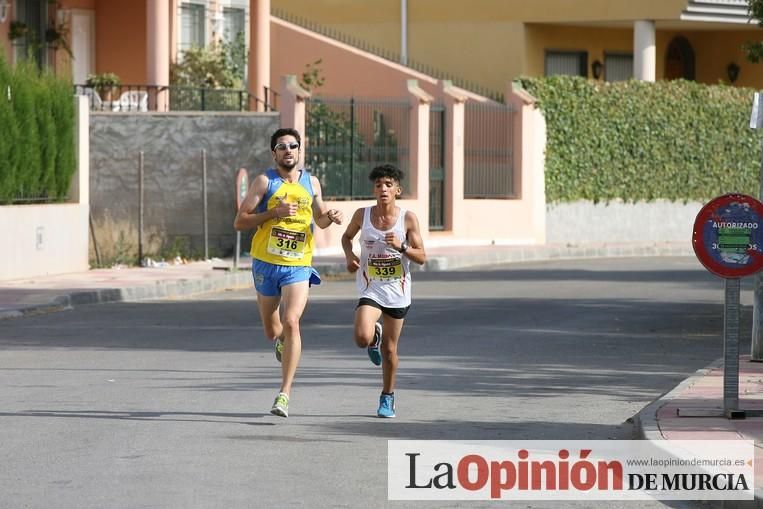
144,98
488,150
437,167
346,138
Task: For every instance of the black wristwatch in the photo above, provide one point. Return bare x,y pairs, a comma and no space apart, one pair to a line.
404,246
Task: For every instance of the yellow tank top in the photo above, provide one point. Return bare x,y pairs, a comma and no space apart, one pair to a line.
286,240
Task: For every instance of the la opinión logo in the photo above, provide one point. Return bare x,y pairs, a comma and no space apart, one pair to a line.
474,472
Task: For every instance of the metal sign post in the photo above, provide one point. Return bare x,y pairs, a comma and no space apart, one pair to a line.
728,241
204,198
242,186
731,348
756,349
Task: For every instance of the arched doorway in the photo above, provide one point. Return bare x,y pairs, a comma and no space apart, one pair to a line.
679,59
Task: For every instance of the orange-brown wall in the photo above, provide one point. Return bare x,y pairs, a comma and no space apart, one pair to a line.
346,70
77,4
120,39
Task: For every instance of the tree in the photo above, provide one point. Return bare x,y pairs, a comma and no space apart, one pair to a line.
218,65
206,76
754,49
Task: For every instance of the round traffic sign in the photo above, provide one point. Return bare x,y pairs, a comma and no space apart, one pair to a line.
728,235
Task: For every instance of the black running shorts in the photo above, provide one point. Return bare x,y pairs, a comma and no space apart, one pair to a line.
398,313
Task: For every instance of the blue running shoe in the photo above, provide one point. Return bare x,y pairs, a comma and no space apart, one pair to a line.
386,406
374,349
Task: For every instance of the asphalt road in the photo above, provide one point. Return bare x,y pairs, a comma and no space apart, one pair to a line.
166,403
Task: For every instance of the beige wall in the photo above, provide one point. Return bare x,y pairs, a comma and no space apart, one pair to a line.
715,50
63,231
491,42
352,15
488,55
547,37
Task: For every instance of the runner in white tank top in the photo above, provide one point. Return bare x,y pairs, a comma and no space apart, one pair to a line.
389,242
384,274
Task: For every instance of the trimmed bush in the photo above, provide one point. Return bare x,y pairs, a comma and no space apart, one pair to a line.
634,140
46,128
25,92
37,154
63,116
8,136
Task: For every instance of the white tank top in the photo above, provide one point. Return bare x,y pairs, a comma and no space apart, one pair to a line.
384,274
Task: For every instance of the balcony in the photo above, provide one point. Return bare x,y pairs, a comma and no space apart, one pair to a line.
717,11
148,98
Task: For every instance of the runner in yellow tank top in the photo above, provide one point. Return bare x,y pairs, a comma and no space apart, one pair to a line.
282,204
286,240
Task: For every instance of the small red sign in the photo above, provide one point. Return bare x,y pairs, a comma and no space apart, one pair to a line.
728,236
242,186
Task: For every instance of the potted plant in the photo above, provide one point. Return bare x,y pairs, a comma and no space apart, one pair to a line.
17,30
56,36
103,83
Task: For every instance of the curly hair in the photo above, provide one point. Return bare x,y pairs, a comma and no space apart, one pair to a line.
386,170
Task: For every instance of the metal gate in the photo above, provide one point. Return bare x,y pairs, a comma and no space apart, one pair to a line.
437,167
346,138
488,151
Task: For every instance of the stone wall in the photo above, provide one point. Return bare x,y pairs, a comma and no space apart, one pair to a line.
172,144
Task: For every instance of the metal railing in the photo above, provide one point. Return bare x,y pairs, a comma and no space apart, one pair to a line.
347,138
145,98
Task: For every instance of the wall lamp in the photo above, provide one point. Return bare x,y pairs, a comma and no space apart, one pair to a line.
597,68
732,71
4,8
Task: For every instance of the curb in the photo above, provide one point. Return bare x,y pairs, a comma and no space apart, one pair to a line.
646,422
648,428
225,280
159,290
541,253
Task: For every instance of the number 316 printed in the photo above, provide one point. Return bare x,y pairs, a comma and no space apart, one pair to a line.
286,244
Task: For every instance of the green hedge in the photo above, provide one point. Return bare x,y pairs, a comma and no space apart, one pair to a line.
37,155
634,140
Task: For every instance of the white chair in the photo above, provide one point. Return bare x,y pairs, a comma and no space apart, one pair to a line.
96,104
132,100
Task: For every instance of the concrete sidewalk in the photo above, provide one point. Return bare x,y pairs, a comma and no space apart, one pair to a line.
51,293
676,415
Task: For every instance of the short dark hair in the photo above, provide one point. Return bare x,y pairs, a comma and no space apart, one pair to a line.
284,131
386,170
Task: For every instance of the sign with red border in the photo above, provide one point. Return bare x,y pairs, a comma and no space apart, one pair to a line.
728,236
242,186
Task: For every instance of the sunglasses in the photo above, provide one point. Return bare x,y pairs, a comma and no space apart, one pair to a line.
284,146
